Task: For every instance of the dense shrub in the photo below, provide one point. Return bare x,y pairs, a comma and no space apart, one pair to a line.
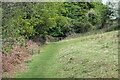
113,27
88,27
30,20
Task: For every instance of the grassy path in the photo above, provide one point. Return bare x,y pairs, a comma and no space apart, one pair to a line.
83,57
40,63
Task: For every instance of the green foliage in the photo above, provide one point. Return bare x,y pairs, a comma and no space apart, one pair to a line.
88,27
113,27
32,20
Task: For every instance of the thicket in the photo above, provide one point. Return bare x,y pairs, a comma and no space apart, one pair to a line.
31,20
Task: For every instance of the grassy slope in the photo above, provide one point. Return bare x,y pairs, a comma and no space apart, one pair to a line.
82,57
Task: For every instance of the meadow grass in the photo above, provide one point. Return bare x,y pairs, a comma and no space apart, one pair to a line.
92,56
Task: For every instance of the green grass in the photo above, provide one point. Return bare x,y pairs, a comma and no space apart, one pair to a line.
92,56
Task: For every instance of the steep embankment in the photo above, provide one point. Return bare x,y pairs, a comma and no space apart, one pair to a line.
82,57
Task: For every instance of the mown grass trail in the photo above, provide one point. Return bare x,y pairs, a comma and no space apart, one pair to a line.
93,56
40,63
